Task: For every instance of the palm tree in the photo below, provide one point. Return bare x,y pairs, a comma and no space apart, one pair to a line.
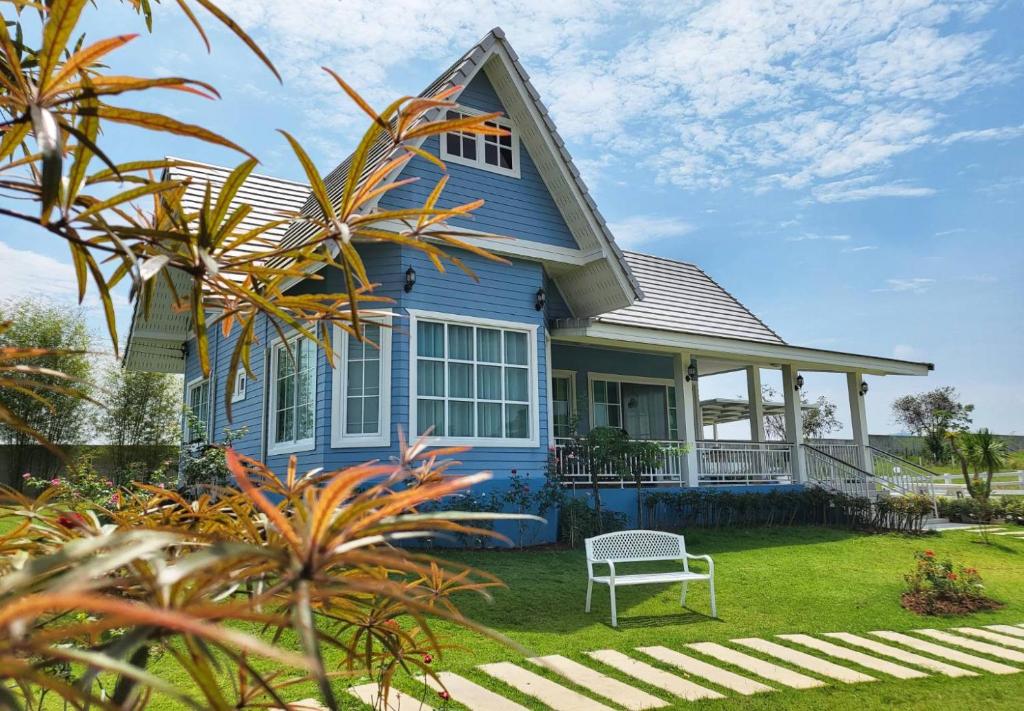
987,453
962,445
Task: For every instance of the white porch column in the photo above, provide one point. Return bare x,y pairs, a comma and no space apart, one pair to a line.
794,422
684,415
756,404
698,414
859,419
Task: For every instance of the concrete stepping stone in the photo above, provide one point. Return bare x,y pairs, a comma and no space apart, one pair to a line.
990,636
900,654
666,681
1010,533
722,677
992,650
757,666
946,653
1007,629
852,655
471,695
807,661
397,701
612,689
546,691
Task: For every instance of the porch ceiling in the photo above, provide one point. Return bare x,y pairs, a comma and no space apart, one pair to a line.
716,354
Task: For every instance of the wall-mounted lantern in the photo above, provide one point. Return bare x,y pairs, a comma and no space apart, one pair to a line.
799,382
863,388
540,299
410,279
691,372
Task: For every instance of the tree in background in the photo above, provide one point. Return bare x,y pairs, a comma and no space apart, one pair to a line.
819,420
932,415
60,416
139,419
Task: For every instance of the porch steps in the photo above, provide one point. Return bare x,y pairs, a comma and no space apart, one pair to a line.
931,655
807,661
772,672
605,686
941,652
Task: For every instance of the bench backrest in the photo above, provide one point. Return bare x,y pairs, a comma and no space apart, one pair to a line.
624,546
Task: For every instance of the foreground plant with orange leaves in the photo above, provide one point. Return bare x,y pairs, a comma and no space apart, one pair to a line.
100,591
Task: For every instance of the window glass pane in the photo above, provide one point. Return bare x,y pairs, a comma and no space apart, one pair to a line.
613,393
614,416
490,154
515,348
285,425
430,413
488,345
371,377
600,415
489,381
355,378
469,147
460,380
600,391
516,384
460,418
505,158
460,342
506,140
430,339
371,415
453,144
430,378
354,415
517,421
488,419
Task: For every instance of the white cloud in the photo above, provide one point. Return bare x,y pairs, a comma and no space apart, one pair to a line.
862,248
862,189
915,285
28,273
1002,133
637,230
953,231
905,352
810,237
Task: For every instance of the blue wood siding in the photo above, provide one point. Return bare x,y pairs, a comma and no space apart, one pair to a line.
585,360
516,207
555,304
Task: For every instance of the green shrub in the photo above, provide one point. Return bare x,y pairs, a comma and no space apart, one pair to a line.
943,588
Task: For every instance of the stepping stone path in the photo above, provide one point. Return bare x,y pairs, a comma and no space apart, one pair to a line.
1003,642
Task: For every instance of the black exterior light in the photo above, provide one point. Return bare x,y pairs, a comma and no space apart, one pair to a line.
799,382
410,279
691,372
863,388
540,299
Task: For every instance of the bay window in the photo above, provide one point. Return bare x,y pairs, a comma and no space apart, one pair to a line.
361,403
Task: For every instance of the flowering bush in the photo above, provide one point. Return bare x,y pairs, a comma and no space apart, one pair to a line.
79,485
943,588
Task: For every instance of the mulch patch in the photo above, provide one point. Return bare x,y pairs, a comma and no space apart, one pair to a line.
922,604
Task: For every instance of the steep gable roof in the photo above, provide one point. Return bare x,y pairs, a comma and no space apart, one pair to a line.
600,279
679,296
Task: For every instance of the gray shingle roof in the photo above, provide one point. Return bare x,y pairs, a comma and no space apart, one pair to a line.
680,297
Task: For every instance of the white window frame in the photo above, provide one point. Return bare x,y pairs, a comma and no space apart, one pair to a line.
288,446
339,390
633,380
533,441
241,379
190,386
570,375
479,162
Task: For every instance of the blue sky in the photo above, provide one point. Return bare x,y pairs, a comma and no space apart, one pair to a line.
852,171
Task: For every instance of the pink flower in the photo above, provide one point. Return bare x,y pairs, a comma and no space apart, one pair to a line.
55,482
445,696
109,482
26,475
427,659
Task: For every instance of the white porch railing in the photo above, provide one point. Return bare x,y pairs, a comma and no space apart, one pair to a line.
719,463
844,451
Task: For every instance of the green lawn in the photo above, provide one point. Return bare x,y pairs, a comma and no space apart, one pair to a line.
770,581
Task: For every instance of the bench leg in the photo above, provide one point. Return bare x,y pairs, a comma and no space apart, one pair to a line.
711,585
590,589
682,598
615,617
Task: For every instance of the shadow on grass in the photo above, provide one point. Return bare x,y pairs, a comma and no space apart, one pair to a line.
648,621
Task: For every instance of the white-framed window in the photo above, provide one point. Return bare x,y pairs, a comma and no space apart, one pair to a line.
563,402
498,154
642,406
361,387
197,400
473,381
241,378
292,396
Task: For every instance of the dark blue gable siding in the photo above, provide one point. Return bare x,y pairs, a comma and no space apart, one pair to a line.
515,207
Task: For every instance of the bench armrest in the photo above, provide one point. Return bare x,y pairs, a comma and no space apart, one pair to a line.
599,561
711,563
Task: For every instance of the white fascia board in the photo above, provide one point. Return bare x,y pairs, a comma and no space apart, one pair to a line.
769,354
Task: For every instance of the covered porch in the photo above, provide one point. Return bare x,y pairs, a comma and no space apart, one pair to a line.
647,382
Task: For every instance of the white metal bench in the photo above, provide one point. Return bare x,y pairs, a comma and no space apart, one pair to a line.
641,547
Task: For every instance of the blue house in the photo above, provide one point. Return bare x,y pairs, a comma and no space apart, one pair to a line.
574,333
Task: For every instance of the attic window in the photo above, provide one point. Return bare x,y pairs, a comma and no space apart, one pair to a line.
498,154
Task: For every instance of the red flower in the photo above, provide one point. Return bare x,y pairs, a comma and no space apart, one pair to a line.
951,576
71,520
971,571
427,659
929,554
445,696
